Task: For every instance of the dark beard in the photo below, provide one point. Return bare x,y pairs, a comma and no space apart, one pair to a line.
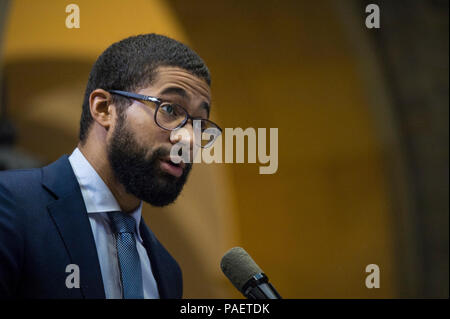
143,177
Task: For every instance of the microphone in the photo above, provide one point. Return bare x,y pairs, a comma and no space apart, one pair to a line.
246,276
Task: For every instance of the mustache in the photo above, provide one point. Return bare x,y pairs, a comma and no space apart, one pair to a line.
160,152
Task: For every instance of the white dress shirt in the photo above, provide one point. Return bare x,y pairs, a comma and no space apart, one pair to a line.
99,200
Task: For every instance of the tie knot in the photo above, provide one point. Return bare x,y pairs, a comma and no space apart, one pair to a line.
122,222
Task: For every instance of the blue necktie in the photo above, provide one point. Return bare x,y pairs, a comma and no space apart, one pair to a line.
123,226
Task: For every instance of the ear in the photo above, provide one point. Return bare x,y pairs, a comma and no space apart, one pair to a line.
101,108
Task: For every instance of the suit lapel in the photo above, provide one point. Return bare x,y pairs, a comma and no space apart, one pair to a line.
153,252
69,214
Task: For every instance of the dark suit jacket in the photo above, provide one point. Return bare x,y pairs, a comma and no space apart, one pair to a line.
44,227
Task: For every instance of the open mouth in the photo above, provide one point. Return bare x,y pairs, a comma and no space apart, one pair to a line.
175,169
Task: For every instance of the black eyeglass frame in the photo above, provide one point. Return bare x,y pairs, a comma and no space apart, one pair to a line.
158,102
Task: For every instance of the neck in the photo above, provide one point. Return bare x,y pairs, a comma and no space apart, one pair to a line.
97,157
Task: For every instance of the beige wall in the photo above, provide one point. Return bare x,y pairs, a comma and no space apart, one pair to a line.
315,224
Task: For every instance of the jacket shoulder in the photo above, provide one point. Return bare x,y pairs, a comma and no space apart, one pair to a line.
14,183
19,181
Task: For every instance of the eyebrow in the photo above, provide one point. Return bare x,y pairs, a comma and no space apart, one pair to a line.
182,93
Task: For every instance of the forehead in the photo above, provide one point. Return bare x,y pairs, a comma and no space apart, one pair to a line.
167,77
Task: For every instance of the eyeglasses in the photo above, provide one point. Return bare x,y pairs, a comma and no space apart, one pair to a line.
170,117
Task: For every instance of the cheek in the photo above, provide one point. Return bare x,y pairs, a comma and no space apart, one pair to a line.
144,128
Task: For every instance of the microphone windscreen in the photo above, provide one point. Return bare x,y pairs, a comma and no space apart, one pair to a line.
239,267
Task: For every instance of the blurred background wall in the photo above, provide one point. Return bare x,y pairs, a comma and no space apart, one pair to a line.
362,116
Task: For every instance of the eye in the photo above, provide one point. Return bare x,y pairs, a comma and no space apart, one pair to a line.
168,108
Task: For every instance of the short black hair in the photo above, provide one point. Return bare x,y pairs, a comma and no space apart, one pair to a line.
130,65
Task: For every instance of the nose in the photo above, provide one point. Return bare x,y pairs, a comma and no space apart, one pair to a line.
184,135
190,129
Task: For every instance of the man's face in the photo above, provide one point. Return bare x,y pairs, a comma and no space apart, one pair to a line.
139,150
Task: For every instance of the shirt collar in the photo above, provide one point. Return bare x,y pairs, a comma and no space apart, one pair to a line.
96,195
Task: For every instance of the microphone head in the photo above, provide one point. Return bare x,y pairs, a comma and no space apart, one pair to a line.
239,267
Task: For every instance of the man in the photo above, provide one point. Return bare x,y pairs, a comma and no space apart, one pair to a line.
73,229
